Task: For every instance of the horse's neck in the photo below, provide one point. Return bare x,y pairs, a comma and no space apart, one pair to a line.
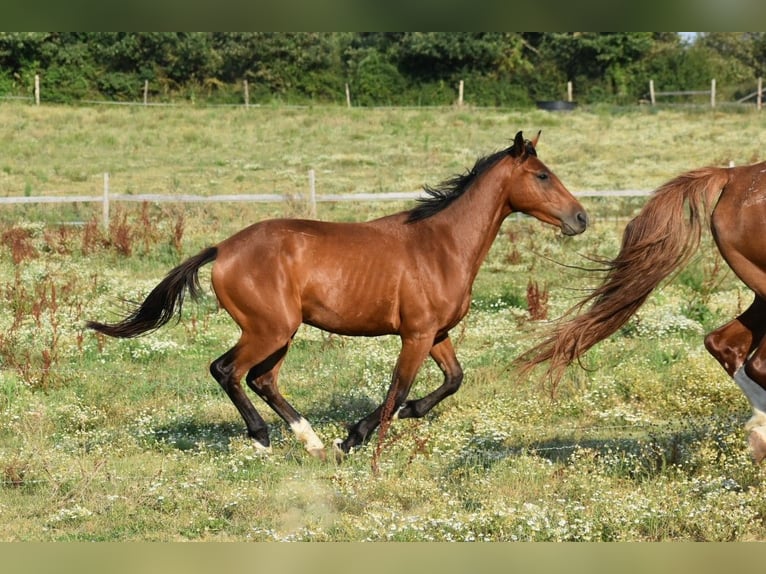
474,221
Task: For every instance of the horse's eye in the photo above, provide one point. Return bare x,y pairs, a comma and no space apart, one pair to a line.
542,175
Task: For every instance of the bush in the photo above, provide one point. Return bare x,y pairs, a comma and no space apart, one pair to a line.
119,86
60,85
7,84
490,91
377,82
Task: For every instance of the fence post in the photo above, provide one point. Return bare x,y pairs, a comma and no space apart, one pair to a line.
105,202
247,93
759,99
348,96
146,92
712,93
651,91
312,194
37,89
460,93
569,91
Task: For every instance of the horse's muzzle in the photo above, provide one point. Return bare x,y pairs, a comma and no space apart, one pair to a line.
575,224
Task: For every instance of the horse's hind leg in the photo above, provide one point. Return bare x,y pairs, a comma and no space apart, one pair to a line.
224,371
443,353
262,378
751,378
731,345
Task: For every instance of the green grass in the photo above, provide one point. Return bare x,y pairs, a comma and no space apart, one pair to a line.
133,440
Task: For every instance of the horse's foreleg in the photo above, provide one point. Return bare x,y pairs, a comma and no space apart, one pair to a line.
443,353
414,352
224,371
262,378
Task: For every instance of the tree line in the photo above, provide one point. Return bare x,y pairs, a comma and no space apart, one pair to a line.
380,68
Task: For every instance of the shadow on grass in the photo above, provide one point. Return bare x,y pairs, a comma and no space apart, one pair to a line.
341,409
646,453
189,434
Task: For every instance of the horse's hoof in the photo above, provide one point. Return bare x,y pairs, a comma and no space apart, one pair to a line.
340,454
757,442
260,449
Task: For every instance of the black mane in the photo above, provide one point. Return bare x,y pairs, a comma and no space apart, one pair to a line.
441,196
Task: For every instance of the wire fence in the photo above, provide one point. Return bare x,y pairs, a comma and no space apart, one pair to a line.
107,197
652,95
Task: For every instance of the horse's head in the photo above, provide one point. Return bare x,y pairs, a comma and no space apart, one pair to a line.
535,190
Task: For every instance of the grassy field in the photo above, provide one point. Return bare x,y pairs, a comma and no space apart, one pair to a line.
133,440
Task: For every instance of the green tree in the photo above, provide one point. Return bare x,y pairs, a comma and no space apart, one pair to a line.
429,65
734,59
439,55
178,57
299,63
499,68
599,64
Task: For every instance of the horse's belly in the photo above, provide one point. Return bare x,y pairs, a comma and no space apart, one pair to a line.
348,312
347,321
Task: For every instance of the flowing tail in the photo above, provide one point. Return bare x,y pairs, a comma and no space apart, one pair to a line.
659,240
165,300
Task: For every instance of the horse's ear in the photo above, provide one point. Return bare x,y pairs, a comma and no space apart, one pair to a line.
537,137
519,148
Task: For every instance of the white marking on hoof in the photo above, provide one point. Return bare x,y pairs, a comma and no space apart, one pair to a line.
307,436
260,449
757,420
756,395
757,442
754,392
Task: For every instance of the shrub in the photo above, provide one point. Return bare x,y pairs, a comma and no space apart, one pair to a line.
377,81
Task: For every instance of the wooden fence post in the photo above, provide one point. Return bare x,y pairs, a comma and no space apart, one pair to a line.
651,91
37,89
759,98
247,93
105,203
460,93
146,92
348,96
712,93
569,91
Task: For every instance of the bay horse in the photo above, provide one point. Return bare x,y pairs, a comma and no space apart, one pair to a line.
408,274
661,239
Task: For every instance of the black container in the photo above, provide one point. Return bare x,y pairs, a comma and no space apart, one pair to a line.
556,105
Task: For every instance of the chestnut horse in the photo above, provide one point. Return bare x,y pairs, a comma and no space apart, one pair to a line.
659,240
409,274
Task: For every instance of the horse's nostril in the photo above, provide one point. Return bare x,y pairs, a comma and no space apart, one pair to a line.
582,217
